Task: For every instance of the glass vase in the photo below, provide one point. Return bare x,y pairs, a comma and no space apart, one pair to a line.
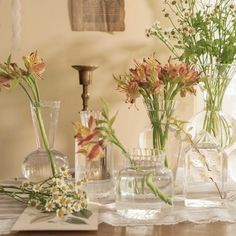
37,166
161,135
219,124
205,172
97,171
144,188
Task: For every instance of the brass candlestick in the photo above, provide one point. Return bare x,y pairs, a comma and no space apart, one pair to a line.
85,79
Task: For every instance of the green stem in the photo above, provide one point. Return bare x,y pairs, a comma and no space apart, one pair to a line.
45,140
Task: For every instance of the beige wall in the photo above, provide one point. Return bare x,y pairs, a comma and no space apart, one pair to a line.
46,27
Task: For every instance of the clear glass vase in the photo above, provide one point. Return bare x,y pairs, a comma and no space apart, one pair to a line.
37,166
97,171
205,172
222,126
144,188
161,135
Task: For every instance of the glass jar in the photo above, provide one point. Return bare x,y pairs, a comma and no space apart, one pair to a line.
205,172
37,166
144,188
97,171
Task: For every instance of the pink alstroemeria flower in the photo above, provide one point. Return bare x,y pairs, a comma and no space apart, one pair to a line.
34,64
89,139
4,82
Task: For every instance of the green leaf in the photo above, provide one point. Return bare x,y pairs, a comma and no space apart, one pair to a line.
73,220
14,83
43,217
112,120
9,60
84,213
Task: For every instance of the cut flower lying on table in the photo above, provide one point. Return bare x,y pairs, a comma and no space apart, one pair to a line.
57,194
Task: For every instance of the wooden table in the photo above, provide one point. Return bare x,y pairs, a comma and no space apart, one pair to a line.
183,229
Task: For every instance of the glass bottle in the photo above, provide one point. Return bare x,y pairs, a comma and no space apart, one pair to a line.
205,172
135,184
97,171
36,166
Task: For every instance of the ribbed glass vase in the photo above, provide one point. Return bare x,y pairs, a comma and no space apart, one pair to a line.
145,187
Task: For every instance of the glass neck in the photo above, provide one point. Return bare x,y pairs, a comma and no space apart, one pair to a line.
212,101
45,119
145,158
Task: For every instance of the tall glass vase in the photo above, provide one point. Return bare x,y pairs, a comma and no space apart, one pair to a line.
38,165
222,126
160,134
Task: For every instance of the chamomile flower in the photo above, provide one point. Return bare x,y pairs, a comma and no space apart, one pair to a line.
55,198
49,206
71,187
61,212
36,188
54,189
77,207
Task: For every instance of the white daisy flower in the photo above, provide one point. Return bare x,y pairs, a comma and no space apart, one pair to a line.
49,206
61,212
77,207
36,188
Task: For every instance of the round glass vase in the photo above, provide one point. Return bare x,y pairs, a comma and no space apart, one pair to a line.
37,165
161,135
219,124
97,171
145,187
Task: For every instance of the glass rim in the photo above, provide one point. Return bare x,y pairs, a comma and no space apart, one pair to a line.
215,64
137,151
47,103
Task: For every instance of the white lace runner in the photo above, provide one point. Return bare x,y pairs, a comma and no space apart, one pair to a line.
10,210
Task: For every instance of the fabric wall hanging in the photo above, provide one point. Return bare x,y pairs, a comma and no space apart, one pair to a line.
97,15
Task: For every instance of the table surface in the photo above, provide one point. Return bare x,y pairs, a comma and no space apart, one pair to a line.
183,229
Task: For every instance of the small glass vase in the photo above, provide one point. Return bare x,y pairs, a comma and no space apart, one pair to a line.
97,171
135,198
205,172
219,124
161,135
37,166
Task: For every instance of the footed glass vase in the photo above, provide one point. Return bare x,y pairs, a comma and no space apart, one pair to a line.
205,172
222,126
145,187
97,171
40,164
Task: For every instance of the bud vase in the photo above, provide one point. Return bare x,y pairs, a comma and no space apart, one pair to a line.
37,166
97,171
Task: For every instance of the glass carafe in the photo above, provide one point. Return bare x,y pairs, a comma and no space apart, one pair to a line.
37,166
